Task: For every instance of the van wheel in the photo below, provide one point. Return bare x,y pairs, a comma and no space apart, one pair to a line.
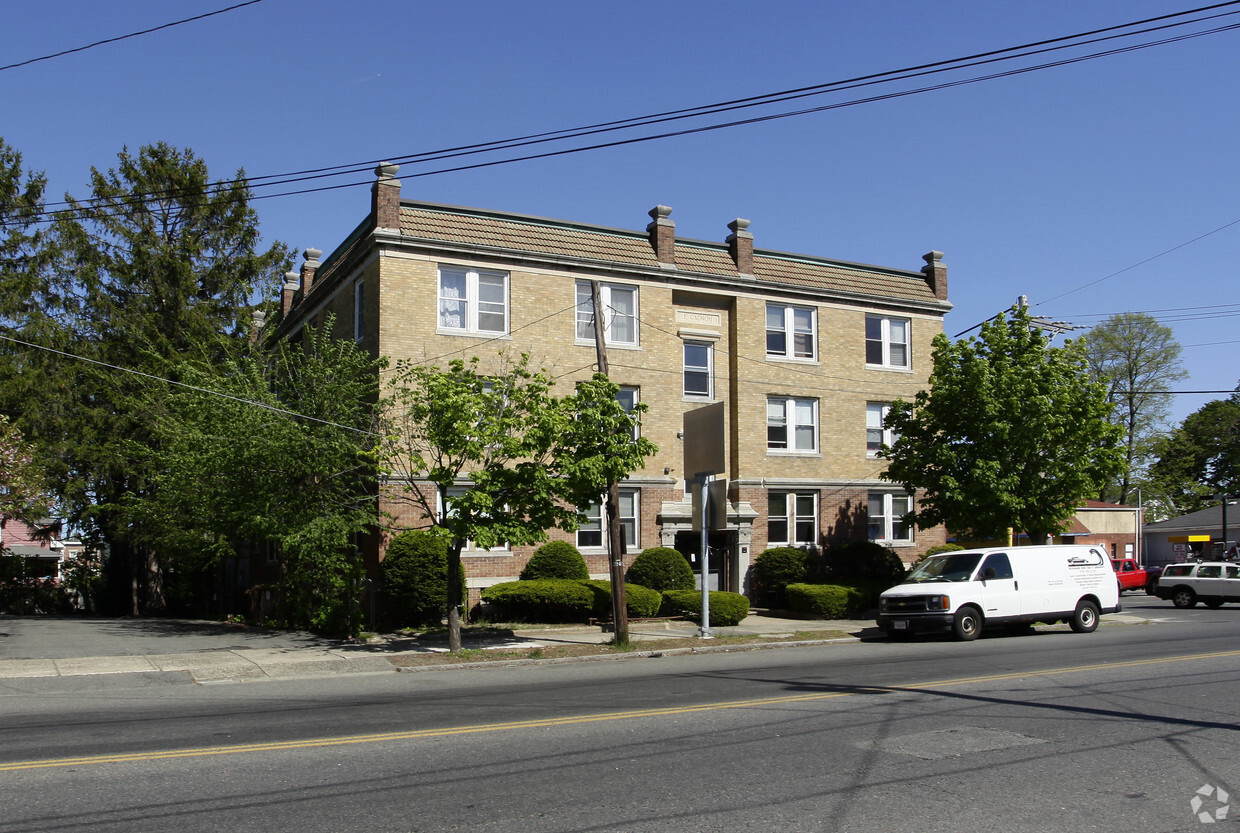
1184,597
967,625
1085,618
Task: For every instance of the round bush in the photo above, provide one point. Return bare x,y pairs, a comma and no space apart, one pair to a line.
864,562
941,548
555,559
830,601
725,608
661,568
542,600
640,602
414,572
776,568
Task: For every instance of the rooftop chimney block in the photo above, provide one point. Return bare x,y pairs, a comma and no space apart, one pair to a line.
663,235
740,244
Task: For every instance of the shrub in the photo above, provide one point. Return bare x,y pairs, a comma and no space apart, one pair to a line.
941,548
830,601
555,559
725,608
641,602
866,562
415,578
775,569
661,568
542,600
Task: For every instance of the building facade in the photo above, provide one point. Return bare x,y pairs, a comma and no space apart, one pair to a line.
805,353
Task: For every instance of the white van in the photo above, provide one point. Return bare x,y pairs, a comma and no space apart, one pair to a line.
964,591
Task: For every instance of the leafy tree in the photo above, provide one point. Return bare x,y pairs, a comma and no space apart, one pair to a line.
277,447
505,458
23,252
1137,359
23,492
1012,433
156,268
1198,460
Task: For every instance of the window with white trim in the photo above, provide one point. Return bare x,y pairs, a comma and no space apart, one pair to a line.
359,310
887,523
628,396
473,300
699,369
470,546
791,424
619,313
876,435
592,532
792,518
887,342
791,332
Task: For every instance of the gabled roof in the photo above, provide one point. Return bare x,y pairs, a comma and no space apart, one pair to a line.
1210,517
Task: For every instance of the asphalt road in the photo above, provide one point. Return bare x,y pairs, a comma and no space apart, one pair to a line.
1111,731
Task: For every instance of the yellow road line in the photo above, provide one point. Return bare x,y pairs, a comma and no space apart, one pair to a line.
132,757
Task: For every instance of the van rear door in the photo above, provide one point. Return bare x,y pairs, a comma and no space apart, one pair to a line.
1000,594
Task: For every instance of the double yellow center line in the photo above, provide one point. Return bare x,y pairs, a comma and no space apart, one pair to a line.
383,737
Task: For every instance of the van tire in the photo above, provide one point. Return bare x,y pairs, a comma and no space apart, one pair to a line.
1184,597
1085,618
967,625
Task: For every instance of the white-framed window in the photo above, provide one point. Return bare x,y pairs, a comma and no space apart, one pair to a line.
791,424
876,436
619,313
470,546
628,396
473,300
887,342
592,534
887,523
359,310
792,518
699,369
791,332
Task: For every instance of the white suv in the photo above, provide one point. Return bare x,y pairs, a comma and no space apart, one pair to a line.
1211,582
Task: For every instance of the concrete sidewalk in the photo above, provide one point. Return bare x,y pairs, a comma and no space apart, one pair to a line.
188,651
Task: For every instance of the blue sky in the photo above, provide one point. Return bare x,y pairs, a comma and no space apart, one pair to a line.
1097,187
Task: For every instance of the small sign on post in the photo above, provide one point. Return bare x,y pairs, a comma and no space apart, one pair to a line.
704,458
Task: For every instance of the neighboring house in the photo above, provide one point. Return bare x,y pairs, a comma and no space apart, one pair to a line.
1195,535
39,545
807,353
1110,526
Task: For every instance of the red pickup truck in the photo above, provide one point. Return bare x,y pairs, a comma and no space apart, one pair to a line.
1131,577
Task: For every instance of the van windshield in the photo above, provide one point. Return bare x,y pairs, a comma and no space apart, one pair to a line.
944,568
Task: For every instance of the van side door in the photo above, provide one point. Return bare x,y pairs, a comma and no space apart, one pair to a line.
1000,588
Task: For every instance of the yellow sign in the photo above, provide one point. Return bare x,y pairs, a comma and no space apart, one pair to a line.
1188,539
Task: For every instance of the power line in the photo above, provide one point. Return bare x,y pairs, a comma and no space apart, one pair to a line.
126,37
1025,50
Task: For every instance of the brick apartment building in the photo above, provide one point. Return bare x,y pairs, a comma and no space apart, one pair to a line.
805,353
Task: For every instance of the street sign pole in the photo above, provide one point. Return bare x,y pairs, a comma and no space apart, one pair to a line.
704,480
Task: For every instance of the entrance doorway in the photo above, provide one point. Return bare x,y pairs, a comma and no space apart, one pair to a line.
722,545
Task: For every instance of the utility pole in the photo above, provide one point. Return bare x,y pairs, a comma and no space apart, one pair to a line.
615,538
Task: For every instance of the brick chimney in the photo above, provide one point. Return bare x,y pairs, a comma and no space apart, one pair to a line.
288,292
385,197
308,269
936,274
663,234
258,320
740,244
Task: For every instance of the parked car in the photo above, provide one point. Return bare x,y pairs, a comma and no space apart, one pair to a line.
1210,582
965,591
1133,577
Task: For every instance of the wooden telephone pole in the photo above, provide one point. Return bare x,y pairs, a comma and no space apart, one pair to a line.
615,538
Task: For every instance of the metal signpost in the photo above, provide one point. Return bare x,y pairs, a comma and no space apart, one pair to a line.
704,457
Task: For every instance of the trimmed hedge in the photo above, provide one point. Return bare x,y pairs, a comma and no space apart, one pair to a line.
661,568
414,572
641,602
555,559
830,601
776,568
725,608
864,562
566,600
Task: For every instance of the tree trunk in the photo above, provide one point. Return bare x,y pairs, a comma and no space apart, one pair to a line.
454,597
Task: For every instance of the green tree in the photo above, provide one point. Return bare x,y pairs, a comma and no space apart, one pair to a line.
155,269
23,482
505,458
275,447
1012,433
23,250
1200,459
1136,359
